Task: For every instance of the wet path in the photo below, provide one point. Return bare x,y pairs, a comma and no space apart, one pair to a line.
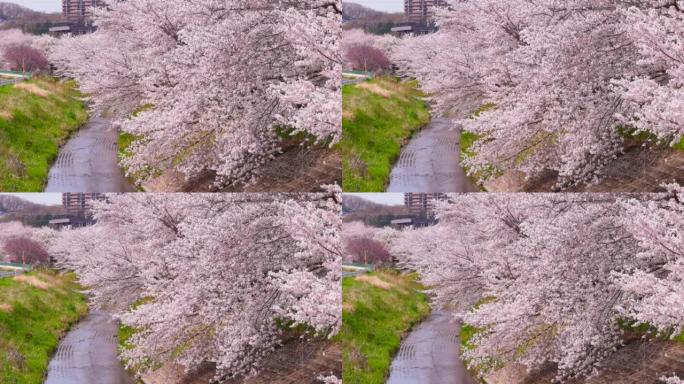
88,162
431,162
88,355
431,354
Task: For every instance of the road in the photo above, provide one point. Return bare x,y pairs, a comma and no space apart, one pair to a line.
88,162
88,354
431,354
431,162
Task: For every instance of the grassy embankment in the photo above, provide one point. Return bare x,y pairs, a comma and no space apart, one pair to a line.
36,118
36,310
378,310
379,116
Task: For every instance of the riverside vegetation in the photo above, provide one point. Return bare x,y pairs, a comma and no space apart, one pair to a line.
379,116
36,310
36,118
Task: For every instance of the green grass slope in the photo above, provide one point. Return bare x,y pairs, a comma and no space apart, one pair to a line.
36,118
378,310
379,116
36,310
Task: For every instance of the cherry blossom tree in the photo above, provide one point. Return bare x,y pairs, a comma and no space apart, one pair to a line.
367,251
9,39
655,93
25,59
558,77
216,278
367,58
550,278
205,85
657,287
25,251
24,244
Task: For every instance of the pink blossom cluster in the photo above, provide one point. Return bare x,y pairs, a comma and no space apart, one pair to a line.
205,85
211,278
558,79
552,278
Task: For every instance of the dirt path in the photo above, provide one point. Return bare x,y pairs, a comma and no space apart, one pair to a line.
88,354
431,354
88,162
431,162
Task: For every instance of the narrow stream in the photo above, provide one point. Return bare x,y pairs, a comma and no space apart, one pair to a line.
88,354
431,162
431,354
88,162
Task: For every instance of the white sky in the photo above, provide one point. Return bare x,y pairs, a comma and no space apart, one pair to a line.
381,198
39,5
39,198
382,5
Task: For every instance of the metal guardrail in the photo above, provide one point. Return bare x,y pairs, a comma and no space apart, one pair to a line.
12,77
356,269
357,77
17,266
16,74
355,81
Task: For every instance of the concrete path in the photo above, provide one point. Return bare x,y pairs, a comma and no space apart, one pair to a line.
431,162
431,354
88,354
88,162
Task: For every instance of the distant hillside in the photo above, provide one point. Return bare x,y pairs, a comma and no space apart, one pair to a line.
30,21
357,16
9,204
351,203
377,215
13,208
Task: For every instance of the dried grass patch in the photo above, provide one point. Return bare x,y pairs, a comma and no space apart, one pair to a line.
349,307
33,281
376,89
4,307
375,281
33,88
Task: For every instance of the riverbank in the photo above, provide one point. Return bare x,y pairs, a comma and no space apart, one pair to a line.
379,116
36,118
379,309
36,310
626,365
